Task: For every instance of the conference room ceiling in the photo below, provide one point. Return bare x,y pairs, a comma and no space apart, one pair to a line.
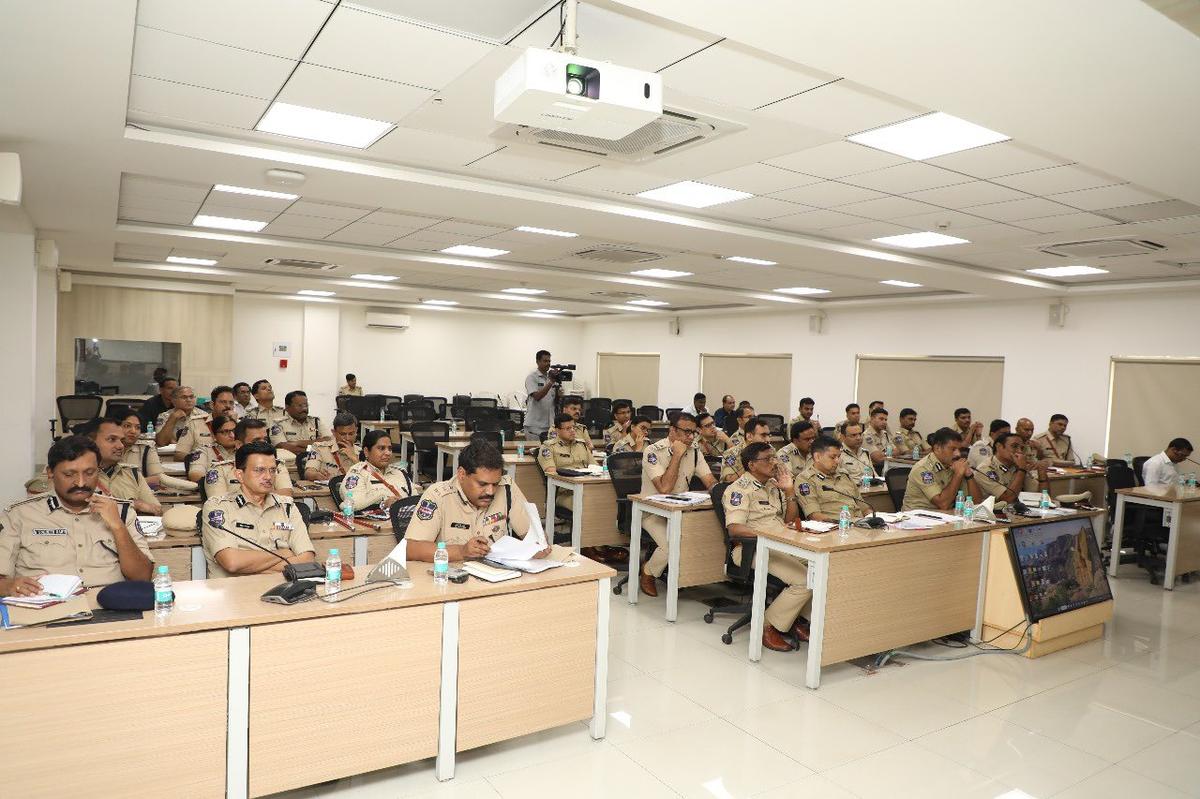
163,99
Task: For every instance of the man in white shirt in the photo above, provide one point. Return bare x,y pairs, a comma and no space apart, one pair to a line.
541,390
1161,469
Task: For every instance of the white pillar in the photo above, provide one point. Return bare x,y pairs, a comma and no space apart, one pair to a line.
45,349
18,303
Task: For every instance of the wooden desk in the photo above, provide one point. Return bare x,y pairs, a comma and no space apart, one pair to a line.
593,510
422,663
878,498
1075,481
876,590
696,547
1183,545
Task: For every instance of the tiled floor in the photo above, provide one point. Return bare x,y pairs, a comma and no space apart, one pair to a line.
689,716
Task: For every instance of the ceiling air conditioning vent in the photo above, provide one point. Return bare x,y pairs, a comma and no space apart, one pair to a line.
295,263
1102,248
673,131
618,255
617,295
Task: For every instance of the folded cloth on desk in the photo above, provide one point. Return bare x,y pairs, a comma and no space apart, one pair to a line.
150,526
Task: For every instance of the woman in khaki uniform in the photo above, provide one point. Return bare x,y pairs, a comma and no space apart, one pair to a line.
375,481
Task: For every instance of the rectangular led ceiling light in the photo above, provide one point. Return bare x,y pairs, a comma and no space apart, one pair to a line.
478,252
662,273
1067,271
547,232
547,310
228,223
380,278
649,303
180,259
915,241
742,259
439,302
903,284
694,195
928,136
274,195
314,124
802,290
523,290
314,293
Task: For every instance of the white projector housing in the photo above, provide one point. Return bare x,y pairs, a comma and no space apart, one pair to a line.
560,91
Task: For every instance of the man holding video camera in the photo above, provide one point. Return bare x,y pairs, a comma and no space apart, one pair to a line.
541,392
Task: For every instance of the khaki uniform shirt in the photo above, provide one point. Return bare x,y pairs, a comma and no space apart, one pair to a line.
613,433
127,482
731,463
346,391
272,416
220,480
288,430
980,452
372,488
40,536
276,525
737,439
758,506
1033,453
905,440
876,441
581,435
627,444
144,455
557,454
327,456
204,458
994,477
813,497
657,457
856,465
969,436
1058,449
712,448
791,457
927,479
189,433
445,514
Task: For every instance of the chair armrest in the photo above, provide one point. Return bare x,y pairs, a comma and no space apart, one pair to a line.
749,548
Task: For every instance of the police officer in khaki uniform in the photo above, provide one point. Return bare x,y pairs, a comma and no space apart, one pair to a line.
908,440
242,399
475,507
983,449
71,529
763,498
622,414
185,425
220,451
563,451
825,486
877,438
853,416
139,451
1007,473
573,407
376,481
264,406
855,460
970,431
1033,450
738,437
1057,444
807,413
755,430
668,466
798,453
637,438
220,476
328,459
352,388
297,430
255,513
935,480
713,440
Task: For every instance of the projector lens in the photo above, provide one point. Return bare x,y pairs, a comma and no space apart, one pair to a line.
574,86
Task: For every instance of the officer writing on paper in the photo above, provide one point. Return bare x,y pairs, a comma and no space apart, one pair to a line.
475,507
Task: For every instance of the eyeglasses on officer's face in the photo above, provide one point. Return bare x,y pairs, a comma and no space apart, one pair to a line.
685,431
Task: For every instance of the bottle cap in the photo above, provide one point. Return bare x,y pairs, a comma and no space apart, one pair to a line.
441,545
162,569
333,551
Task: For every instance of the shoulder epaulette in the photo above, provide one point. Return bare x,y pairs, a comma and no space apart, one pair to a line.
34,498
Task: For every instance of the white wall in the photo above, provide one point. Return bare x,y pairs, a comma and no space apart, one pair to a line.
1047,370
18,309
45,370
258,322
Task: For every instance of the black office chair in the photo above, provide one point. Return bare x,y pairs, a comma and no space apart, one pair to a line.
439,406
600,403
425,436
1110,462
671,413
401,513
828,431
473,415
740,575
1143,538
490,436
651,412
775,423
516,416
1138,463
413,397
625,469
339,402
335,491
418,411
75,409
458,404
483,402
897,483
656,434
391,406
597,420
87,387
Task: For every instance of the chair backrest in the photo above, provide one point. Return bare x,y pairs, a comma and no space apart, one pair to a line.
339,401
356,406
483,402
509,428
596,420
1119,476
598,402
651,412
1138,463
418,411
897,483
775,423
394,409
484,423
828,431
439,403
335,491
716,493
460,401
425,435
490,436
672,413
657,434
411,397
475,412
516,416
76,408
401,513
625,469
1110,462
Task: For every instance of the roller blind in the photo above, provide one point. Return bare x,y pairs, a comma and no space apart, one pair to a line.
933,385
763,378
628,375
1150,402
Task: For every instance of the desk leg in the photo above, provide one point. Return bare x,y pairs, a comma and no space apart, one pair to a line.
454,462
1173,545
977,632
448,708
237,740
416,464
635,553
674,536
549,520
199,564
360,550
600,691
819,569
758,602
576,516
1114,556
441,463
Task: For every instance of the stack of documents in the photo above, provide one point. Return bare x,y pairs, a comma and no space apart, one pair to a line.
56,588
150,526
686,498
510,552
818,527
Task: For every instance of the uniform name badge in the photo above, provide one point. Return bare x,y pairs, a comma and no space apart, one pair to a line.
50,531
286,526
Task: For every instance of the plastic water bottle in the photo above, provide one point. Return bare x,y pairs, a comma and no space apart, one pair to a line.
453,427
958,504
164,594
348,505
1045,503
441,563
381,415
1129,459
501,440
866,478
1191,480
968,508
844,521
150,428
887,452
333,572
520,450
604,469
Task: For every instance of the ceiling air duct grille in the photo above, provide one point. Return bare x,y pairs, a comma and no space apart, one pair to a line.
295,263
616,255
1102,248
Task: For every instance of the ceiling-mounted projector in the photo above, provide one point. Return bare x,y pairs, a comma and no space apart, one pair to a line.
561,91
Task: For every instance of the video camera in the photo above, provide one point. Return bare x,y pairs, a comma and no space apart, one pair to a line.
562,372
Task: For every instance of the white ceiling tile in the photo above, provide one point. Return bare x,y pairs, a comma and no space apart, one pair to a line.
486,18
865,231
156,213
374,235
817,220
214,207
720,73
394,219
1061,222
836,160
1106,197
187,252
827,194
135,186
169,56
346,93
327,210
626,39
146,252
1179,226
519,163
473,229
1013,210
905,178
163,203
888,208
932,220
1057,179
279,27
624,180
177,101
389,48
994,160
757,208
283,228
995,232
319,226
965,195
437,237
758,179
843,108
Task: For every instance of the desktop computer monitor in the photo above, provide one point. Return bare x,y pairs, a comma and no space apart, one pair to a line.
1058,567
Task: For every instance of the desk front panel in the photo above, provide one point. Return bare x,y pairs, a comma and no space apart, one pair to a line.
600,516
702,549
529,479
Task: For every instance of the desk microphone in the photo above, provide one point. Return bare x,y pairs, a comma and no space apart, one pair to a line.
1189,460
872,521
291,571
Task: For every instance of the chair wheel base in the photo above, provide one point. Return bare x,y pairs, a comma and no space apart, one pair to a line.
726,639
708,617
617,590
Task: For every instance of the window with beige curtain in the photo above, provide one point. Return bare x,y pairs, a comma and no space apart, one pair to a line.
1150,402
628,375
763,378
932,385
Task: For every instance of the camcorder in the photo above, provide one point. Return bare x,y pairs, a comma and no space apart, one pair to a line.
562,372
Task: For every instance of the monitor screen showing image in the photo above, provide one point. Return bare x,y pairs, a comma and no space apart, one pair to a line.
1058,567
